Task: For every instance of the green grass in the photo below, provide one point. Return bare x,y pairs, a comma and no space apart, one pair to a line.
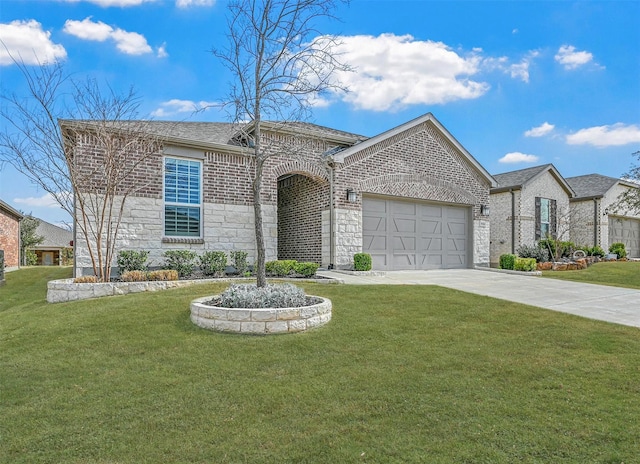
617,274
401,374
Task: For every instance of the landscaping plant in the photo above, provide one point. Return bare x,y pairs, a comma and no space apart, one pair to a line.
619,249
132,260
213,263
182,261
305,269
362,262
524,264
507,261
239,261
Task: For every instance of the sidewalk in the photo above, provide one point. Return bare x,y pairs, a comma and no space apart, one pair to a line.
600,302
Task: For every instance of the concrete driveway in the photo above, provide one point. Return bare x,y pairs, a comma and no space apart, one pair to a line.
601,302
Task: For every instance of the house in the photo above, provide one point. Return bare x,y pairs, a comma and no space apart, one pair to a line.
10,235
51,252
413,197
528,205
597,221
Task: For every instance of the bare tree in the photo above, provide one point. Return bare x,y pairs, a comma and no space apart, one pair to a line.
45,134
629,200
280,63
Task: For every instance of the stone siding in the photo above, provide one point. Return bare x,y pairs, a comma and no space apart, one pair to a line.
10,239
227,227
501,217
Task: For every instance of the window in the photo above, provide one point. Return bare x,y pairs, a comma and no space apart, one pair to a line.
182,198
545,218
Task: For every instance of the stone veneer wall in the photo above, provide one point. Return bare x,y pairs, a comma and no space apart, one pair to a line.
227,228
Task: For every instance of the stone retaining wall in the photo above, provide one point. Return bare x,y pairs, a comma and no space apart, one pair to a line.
260,320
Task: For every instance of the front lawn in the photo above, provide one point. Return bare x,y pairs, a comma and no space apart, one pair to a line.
401,374
615,273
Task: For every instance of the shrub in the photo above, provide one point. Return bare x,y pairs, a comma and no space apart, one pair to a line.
306,269
362,262
525,264
182,261
131,260
85,280
507,261
270,296
619,249
31,257
213,263
164,274
134,276
595,251
280,268
239,261
541,255
557,248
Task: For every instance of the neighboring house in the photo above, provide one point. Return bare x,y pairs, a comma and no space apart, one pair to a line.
56,239
10,235
597,221
413,197
526,206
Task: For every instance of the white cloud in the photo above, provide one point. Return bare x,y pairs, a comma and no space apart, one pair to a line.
116,3
540,131
45,201
88,30
26,41
516,70
393,72
177,106
572,59
161,51
188,3
606,136
130,43
517,157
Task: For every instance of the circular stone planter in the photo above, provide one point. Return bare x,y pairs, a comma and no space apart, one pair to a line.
260,320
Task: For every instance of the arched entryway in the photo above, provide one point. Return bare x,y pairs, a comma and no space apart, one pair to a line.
301,200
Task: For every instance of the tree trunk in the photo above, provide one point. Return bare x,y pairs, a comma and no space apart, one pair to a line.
260,270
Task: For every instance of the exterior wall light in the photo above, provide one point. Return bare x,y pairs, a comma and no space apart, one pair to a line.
484,210
352,196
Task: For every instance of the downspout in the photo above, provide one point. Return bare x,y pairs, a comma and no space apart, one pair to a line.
595,222
513,222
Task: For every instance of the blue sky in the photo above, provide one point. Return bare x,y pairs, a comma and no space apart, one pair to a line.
517,83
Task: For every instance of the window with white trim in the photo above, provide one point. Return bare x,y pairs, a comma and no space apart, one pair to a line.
182,198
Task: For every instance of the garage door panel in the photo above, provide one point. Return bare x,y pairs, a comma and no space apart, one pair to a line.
418,235
404,225
374,223
431,227
627,231
404,243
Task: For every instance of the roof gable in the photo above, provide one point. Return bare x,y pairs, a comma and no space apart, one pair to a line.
516,180
54,236
10,210
426,118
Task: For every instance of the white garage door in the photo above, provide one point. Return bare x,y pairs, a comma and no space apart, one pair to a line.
402,234
626,231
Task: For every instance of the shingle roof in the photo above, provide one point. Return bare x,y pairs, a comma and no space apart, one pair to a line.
591,185
221,133
54,236
519,177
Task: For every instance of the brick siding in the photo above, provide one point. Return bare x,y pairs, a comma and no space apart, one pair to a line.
10,239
